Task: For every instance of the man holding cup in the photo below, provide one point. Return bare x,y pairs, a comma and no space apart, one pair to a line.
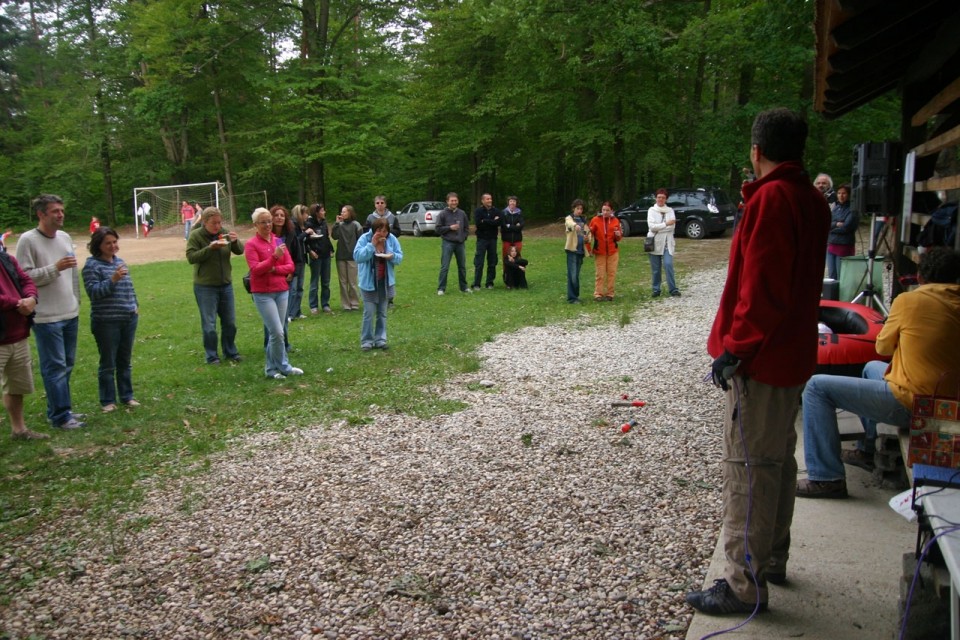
46,254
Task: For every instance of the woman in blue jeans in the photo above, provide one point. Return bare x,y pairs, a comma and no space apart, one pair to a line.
270,264
319,250
662,224
114,313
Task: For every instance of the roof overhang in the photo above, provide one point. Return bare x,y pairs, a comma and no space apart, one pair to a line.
865,48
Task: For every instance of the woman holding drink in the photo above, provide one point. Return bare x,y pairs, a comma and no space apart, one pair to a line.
270,264
114,314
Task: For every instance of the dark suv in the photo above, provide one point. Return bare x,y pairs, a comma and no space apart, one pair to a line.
700,212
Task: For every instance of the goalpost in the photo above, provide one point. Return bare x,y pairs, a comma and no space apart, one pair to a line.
165,202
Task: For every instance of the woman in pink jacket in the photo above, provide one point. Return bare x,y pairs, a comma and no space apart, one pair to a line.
270,264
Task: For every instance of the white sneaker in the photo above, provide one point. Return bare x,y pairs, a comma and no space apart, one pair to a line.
278,376
294,371
468,291
439,292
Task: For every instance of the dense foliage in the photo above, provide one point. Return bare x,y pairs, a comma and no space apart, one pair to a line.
338,100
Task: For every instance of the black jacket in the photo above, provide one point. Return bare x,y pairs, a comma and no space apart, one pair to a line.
487,221
320,242
512,225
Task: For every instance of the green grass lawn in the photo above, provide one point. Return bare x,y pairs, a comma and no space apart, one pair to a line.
192,410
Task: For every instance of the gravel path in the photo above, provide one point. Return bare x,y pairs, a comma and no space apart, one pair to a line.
527,515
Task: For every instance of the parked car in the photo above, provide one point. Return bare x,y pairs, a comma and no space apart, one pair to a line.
420,217
701,212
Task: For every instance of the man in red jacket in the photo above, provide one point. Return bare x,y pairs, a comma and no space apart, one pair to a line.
764,341
18,298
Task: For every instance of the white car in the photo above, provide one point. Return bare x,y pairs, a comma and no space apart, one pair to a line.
420,217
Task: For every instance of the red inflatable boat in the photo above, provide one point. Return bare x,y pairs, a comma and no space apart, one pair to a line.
853,341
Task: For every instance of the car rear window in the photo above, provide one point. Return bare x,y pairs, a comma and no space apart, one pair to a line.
721,198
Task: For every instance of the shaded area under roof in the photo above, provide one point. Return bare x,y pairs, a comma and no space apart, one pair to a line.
865,48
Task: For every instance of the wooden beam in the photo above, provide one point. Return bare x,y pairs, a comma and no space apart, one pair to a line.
936,184
939,102
934,145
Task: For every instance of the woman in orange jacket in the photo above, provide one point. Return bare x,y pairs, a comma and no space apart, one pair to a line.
606,232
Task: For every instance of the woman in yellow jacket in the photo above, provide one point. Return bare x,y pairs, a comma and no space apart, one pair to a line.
606,232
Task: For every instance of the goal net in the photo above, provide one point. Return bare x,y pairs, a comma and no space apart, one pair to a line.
164,204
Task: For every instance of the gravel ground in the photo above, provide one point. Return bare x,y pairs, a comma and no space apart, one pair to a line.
527,515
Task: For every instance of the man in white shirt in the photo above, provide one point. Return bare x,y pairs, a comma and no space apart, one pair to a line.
46,254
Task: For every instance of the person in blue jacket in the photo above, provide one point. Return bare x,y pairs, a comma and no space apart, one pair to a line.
376,254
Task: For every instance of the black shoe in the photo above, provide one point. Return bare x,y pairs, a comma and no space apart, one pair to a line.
214,361
237,358
857,458
655,294
720,599
776,577
675,294
831,489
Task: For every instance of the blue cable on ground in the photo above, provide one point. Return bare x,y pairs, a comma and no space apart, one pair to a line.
746,530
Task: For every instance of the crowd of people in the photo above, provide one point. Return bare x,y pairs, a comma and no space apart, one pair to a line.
42,285
762,341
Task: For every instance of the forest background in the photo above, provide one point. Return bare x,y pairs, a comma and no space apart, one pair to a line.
336,101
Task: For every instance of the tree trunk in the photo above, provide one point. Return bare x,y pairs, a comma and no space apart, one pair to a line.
619,153
228,176
693,111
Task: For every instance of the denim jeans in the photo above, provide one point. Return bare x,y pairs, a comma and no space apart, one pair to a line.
374,310
448,249
869,397
320,273
115,344
486,248
659,264
57,351
187,224
833,266
273,310
574,263
215,301
296,291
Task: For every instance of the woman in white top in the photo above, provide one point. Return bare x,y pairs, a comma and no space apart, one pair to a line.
662,223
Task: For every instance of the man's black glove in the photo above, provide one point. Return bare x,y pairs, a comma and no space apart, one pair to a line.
723,368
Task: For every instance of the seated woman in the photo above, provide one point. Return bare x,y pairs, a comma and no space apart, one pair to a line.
270,264
515,270
114,313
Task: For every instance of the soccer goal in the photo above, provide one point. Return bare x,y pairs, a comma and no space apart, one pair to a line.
163,204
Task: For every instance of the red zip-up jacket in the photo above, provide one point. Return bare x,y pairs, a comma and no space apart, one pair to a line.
771,300
267,273
603,234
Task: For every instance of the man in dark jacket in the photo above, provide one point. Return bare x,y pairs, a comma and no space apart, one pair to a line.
453,227
18,297
764,341
208,250
487,219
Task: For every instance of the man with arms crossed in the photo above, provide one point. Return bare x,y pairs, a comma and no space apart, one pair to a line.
46,254
764,341
487,219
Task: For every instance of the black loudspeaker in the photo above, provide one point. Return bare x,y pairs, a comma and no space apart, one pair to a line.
876,179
